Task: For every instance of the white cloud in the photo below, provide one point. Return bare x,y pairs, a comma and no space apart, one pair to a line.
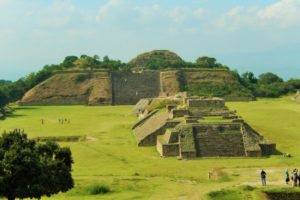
280,15
148,11
178,14
198,13
284,13
3,2
108,9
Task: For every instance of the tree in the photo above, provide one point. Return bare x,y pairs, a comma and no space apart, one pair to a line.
268,78
88,62
5,82
3,99
249,77
31,170
69,62
206,62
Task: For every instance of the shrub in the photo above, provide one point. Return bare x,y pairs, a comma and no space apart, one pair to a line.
218,90
82,77
224,195
248,188
98,189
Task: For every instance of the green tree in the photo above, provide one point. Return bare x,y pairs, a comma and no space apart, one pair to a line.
69,62
249,77
5,82
32,170
206,62
268,78
3,99
88,62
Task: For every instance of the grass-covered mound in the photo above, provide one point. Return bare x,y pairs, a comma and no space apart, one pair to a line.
71,89
157,59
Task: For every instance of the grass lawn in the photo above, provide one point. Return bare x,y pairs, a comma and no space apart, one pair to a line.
114,160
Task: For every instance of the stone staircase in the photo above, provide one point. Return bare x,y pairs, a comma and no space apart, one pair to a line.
147,132
211,142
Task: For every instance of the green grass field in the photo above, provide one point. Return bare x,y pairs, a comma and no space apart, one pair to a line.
113,159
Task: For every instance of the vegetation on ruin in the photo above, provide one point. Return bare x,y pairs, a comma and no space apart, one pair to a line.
219,90
159,104
113,159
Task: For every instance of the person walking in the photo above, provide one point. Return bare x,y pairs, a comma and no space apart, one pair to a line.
263,176
287,176
295,177
298,175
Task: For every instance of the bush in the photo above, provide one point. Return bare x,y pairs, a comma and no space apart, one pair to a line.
218,90
82,77
248,188
98,189
224,195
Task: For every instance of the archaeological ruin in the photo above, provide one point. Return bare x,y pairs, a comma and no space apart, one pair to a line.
189,127
103,87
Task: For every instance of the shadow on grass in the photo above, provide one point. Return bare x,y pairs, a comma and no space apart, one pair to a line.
14,116
26,108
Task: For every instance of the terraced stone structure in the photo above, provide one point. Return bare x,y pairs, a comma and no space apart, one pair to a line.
200,127
101,87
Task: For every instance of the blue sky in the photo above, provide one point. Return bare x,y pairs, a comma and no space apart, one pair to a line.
256,35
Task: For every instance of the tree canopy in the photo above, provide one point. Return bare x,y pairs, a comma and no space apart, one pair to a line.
32,170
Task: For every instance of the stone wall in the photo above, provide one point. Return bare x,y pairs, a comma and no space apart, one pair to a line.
169,82
167,150
205,103
128,87
178,113
219,140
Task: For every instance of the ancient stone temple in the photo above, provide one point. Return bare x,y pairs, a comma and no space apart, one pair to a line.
197,127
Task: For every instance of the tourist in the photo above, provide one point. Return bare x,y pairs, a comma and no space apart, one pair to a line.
263,175
295,177
209,175
298,175
287,176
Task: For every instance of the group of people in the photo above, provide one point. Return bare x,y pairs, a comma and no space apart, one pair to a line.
60,121
295,177
64,121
